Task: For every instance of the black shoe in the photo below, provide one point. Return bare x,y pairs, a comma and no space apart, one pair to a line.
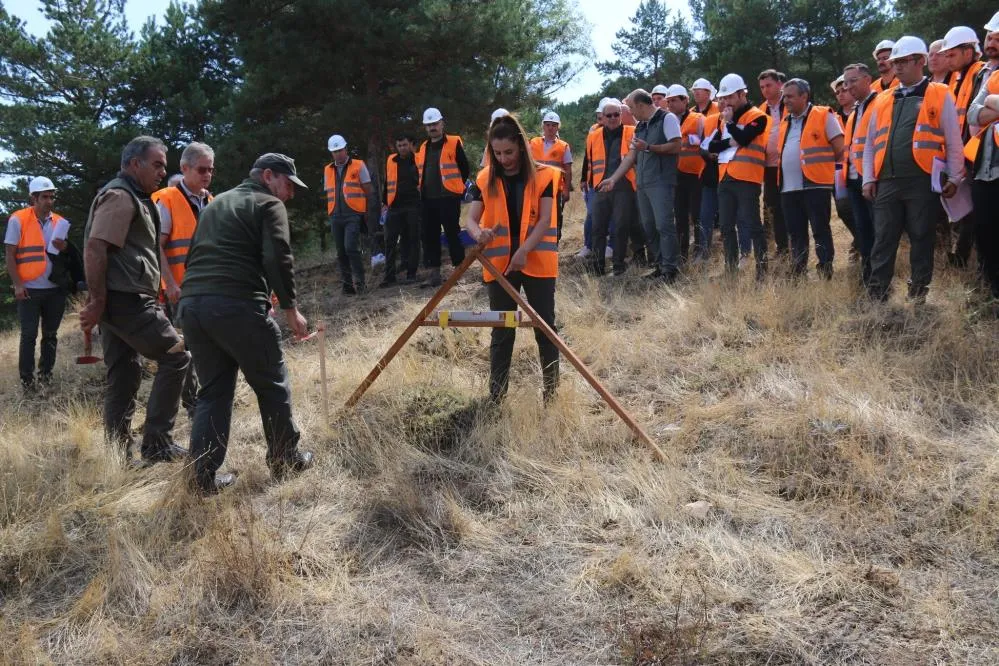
670,278
619,270
654,275
299,462
349,289
434,280
409,279
168,454
214,486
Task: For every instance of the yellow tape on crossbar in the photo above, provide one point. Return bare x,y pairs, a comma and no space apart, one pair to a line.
442,318
511,318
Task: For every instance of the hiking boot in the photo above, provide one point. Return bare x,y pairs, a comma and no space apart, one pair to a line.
433,280
207,488
654,274
297,463
388,282
584,253
170,453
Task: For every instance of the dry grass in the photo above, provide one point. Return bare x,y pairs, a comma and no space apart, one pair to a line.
848,453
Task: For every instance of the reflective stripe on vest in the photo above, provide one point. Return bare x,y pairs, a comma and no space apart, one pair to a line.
450,174
750,161
928,137
183,223
690,160
597,158
353,191
29,256
818,159
542,261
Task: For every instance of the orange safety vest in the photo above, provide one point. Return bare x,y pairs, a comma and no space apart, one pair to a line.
554,158
690,160
963,89
183,221
450,174
878,86
855,142
30,255
598,160
750,161
542,261
353,192
818,159
927,140
972,148
710,111
391,177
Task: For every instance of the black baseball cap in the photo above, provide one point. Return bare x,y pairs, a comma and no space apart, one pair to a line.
279,163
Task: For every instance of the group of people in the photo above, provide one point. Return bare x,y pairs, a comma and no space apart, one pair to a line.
904,152
158,260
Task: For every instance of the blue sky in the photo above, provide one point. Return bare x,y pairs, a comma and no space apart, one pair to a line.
605,16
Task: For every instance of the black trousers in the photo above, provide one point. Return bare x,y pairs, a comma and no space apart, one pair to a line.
985,196
402,232
540,293
739,205
43,307
618,205
801,209
189,395
687,209
774,214
442,213
134,325
227,335
903,204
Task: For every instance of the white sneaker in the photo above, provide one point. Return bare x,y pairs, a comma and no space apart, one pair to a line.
609,253
377,259
584,253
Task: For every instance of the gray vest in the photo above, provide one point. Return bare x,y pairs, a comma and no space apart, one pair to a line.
653,169
899,162
135,267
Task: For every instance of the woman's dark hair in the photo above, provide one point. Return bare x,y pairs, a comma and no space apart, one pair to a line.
508,127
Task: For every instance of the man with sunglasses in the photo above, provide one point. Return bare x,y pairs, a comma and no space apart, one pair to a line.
30,233
909,128
121,259
180,207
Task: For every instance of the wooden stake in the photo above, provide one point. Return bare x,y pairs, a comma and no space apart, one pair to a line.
322,370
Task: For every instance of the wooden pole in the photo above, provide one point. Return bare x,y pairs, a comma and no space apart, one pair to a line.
322,370
569,354
470,255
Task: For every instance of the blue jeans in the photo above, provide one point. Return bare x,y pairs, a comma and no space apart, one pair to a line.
655,208
739,201
588,223
709,209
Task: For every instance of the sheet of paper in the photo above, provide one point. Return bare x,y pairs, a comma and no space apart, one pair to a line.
958,206
840,182
60,232
725,156
938,175
694,140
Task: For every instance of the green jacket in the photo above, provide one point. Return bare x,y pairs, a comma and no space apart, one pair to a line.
242,248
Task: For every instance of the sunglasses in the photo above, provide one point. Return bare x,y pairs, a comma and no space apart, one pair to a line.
202,170
612,115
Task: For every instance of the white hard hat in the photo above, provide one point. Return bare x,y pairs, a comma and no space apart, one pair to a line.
660,90
551,117
731,83
959,36
993,23
432,115
336,142
40,184
602,103
676,90
704,84
835,84
498,113
908,46
883,45
613,101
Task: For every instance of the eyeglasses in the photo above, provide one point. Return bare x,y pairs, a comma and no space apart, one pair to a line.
901,62
202,170
612,115
850,82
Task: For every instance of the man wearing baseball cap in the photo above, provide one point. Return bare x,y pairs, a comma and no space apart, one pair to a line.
348,185
551,150
443,168
241,252
30,232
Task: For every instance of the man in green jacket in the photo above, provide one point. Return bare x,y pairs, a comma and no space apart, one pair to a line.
240,253
121,258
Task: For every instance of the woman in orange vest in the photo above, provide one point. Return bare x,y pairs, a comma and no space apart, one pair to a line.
513,215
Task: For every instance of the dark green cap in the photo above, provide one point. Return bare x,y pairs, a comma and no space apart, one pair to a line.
279,163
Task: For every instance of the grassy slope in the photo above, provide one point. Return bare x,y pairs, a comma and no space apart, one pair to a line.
848,454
